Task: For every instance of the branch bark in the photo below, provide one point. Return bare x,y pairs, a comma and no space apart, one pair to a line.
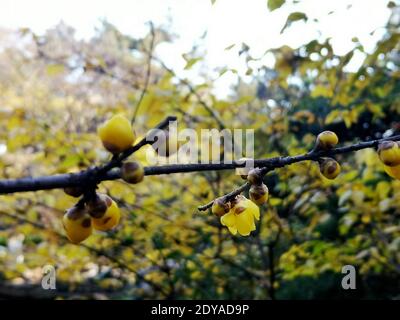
110,172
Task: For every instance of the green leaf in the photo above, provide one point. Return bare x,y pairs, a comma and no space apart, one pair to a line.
275,4
191,62
230,47
293,17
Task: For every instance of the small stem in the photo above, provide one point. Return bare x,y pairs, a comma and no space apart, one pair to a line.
227,197
148,73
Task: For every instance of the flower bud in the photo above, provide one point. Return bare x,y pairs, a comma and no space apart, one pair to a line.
329,168
327,140
255,177
132,172
389,153
74,191
77,224
220,207
98,206
259,194
116,134
109,220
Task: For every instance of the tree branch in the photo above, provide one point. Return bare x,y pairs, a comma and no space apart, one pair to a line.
279,162
110,172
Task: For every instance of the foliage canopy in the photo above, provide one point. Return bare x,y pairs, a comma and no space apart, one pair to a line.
55,92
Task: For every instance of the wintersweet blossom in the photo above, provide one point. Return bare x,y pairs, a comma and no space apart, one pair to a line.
240,217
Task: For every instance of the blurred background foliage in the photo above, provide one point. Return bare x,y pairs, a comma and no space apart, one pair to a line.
55,90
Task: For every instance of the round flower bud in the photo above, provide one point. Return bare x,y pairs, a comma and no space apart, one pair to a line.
116,134
98,205
327,140
389,153
254,177
77,224
259,194
329,168
74,191
132,172
109,220
220,207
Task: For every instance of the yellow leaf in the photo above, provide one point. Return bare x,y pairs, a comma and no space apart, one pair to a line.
55,69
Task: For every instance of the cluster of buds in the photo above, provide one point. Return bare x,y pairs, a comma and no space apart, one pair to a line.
99,211
328,167
258,192
240,213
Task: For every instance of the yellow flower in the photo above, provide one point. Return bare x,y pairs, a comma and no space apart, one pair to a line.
241,216
394,172
116,134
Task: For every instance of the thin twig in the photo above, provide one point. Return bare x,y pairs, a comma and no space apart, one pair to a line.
315,154
148,72
193,91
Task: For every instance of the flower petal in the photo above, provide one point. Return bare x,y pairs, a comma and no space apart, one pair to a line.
233,230
254,209
245,223
228,219
253,227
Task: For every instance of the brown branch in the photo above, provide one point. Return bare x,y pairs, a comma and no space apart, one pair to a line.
110,172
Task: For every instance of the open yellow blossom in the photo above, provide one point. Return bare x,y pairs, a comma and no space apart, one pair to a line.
394,172
241,216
